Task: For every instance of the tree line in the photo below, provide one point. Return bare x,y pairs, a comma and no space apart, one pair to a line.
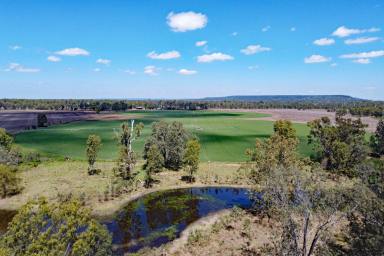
356,107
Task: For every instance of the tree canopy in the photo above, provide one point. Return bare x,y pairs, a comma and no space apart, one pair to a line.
171,139
92,148
65,228
340,146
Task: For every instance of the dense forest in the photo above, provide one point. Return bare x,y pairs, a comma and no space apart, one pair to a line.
352,105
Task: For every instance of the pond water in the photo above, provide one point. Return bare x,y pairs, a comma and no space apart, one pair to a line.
160,217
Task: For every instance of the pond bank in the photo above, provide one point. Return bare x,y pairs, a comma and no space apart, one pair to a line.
156,218
111,207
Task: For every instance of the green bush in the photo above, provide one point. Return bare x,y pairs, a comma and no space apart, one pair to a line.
64,228
6,140
9,182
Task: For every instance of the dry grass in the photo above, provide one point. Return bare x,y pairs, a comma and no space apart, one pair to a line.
56,179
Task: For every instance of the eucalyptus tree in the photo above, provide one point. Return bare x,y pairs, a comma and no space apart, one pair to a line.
92,148
154,163
127,158
171,139
192,158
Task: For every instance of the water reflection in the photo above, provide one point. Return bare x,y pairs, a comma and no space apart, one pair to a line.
161,216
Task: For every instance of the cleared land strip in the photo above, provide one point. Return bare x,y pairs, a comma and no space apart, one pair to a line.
301,116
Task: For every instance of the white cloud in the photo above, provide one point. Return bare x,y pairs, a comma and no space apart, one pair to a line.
252,49
324,41
363,55
316,59
129,71
201,43
73,52
16,67
217,56
253,67
266,28
333,64
293,29
361,40
151,70
345,32
96,70
362,61
53,58
185,21
234,33
103,61
15,47
187,72
164,56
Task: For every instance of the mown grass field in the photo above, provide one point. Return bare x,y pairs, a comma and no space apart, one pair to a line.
224,136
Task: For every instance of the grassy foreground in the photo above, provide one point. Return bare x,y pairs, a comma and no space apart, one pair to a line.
55,179
224,136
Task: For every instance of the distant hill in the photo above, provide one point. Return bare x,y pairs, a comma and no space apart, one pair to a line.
287,98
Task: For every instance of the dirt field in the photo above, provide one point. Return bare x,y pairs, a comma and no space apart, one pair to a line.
17,121
301,116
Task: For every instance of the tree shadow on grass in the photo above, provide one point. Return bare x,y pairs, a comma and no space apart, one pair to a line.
220,138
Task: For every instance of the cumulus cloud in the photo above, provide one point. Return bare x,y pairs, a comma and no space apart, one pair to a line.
217,56
201,43
164,56
129,71
252,49
16,67
15,47
324,41
186,21
73,52
187,72
151,70
363,55
266,28
53,58
316,59
361,40
345,32
362,61
103,61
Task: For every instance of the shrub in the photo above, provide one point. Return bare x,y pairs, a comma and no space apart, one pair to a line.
9,157
9,182
63,228
6,140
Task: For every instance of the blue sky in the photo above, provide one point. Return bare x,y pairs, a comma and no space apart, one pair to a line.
150,49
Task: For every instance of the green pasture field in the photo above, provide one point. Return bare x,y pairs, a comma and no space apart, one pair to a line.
224,136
